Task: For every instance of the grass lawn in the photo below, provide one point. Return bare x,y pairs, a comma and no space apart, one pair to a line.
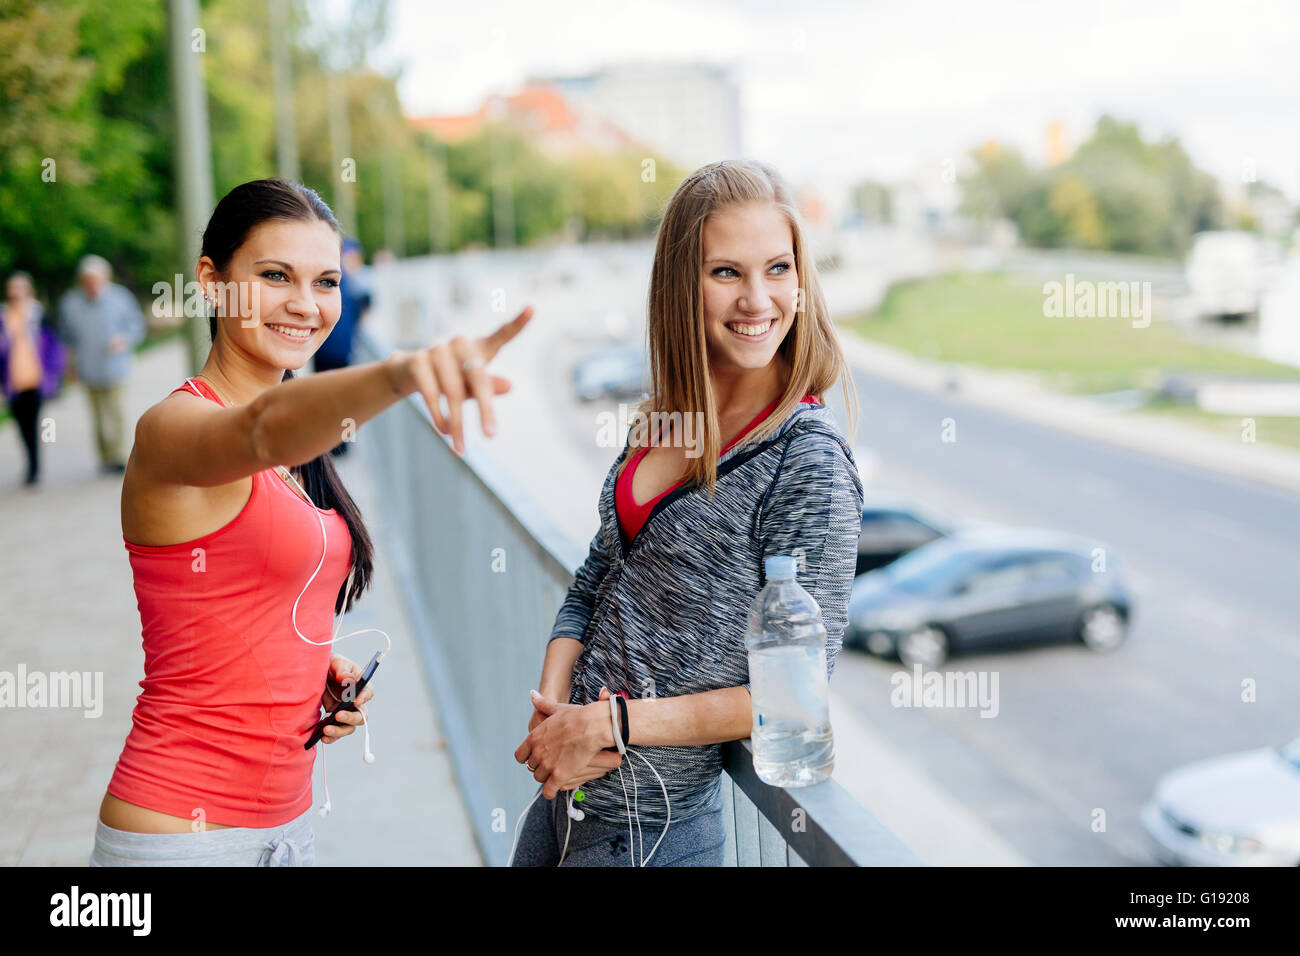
996,321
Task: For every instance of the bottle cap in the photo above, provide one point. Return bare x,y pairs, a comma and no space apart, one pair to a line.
779,567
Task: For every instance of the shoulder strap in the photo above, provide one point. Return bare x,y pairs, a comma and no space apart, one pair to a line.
195,387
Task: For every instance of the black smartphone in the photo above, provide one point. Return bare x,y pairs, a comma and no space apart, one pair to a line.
329,718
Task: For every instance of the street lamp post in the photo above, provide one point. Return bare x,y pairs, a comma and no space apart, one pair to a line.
503,208
194,200
286,142
345,207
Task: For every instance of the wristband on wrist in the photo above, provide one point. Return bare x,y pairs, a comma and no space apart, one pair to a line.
613,724
622,713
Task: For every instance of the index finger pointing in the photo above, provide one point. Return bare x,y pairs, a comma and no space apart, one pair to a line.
492,343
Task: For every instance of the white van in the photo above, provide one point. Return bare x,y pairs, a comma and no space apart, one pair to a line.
1225,274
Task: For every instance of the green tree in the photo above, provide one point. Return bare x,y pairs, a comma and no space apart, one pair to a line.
82,138
1074,206
1116,192
88,139
998,185
873,201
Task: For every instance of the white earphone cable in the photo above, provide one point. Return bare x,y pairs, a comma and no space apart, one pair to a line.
633,806
367,756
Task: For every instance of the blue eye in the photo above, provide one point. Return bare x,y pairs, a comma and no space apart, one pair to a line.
331,283
273,273
783,266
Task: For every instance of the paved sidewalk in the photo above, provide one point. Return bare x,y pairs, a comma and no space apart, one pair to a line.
68,605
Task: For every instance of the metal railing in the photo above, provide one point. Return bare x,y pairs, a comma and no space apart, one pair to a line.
482,573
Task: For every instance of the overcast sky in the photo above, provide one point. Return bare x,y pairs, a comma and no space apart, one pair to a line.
842,90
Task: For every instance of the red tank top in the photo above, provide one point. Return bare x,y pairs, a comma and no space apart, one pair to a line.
632,516
230,692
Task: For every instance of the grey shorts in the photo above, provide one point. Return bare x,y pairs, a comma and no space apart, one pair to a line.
288,845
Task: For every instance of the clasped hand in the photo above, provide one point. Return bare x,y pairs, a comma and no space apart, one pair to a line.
565,744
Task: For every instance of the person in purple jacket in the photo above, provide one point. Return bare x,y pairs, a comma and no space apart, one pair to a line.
31,364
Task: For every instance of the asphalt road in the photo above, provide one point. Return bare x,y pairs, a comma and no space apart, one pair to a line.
1213,563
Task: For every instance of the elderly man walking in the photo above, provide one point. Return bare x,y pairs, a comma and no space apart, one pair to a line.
102,323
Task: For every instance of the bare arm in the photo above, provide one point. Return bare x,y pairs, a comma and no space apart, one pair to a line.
557,669
711,717
556,681
187,441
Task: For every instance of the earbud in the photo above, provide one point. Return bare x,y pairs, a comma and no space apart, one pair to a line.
367,756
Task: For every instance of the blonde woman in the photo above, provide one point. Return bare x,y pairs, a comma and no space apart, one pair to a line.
742,348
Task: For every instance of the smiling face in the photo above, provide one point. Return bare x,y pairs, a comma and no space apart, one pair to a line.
290,272
748,282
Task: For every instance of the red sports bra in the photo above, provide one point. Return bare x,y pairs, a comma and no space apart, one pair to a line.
632,516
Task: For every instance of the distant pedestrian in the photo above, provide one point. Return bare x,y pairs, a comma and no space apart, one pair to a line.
103,323
31,363
354,290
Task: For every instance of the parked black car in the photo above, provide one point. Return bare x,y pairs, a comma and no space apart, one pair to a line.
618,371
990,586
892,525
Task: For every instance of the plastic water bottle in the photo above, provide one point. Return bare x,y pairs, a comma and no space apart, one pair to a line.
786,640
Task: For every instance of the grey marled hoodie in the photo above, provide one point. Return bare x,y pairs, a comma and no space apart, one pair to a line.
665,616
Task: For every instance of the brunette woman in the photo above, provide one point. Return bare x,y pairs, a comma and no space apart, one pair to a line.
230,507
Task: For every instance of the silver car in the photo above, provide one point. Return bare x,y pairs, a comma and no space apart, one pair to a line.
1241,809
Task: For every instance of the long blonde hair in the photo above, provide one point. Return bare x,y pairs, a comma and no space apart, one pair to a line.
679,366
